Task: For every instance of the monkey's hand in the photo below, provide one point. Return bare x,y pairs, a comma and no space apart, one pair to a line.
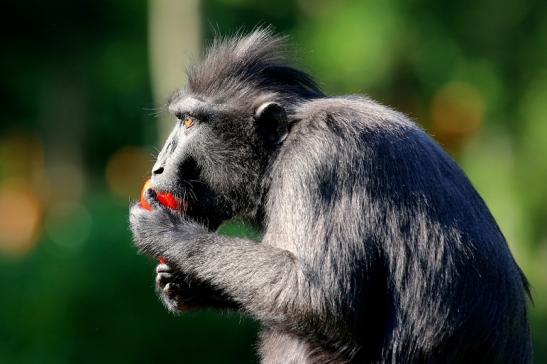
164,232
182,293
178,294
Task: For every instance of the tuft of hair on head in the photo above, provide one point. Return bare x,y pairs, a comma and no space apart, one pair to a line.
244,66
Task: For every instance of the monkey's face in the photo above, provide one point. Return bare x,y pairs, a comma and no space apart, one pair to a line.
216,156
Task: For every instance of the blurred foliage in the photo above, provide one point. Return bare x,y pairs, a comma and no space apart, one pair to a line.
77,110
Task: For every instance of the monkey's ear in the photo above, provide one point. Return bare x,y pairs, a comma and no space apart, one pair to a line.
271,122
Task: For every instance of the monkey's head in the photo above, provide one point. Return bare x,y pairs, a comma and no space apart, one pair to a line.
231,120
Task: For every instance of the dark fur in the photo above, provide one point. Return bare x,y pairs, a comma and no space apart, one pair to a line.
376,247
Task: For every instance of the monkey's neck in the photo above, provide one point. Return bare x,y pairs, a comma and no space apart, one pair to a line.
256,213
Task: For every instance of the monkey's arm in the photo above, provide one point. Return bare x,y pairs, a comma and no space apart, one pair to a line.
265,282
257,277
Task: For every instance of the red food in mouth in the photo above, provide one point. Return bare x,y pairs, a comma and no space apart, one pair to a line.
165,198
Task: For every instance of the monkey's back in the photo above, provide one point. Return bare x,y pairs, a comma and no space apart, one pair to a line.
405,244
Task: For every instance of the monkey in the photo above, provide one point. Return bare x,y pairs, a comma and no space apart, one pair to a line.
375,247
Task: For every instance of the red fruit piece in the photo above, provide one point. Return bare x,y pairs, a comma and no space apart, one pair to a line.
167,199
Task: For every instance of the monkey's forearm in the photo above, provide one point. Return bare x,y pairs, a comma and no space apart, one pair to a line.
268,283
264,281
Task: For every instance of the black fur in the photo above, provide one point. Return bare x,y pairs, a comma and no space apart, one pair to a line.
375,249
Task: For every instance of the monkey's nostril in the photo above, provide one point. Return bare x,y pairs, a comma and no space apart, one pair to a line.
158,171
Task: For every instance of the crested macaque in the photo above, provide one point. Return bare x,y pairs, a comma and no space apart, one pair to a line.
375,246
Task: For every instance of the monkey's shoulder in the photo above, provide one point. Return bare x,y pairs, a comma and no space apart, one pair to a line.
352,114
358,123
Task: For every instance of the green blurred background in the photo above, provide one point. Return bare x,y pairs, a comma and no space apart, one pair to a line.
81,86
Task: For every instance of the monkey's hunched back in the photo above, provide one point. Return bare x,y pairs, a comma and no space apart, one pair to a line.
406,251
376,247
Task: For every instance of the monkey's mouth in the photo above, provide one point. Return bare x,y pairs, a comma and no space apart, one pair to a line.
194,199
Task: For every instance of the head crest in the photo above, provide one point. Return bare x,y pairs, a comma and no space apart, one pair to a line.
244,65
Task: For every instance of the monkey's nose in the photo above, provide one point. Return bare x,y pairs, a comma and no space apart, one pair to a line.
158,171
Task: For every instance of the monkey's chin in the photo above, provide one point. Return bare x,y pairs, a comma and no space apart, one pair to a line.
210,221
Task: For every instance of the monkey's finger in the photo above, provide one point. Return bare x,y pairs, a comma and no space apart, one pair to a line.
171,290
163,279
152,198
164,268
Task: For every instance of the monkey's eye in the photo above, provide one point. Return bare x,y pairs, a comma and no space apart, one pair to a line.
187,122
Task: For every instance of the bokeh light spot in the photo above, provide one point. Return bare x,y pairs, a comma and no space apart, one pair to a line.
457,113
67,180
22,156
68,223
126,171
21,215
